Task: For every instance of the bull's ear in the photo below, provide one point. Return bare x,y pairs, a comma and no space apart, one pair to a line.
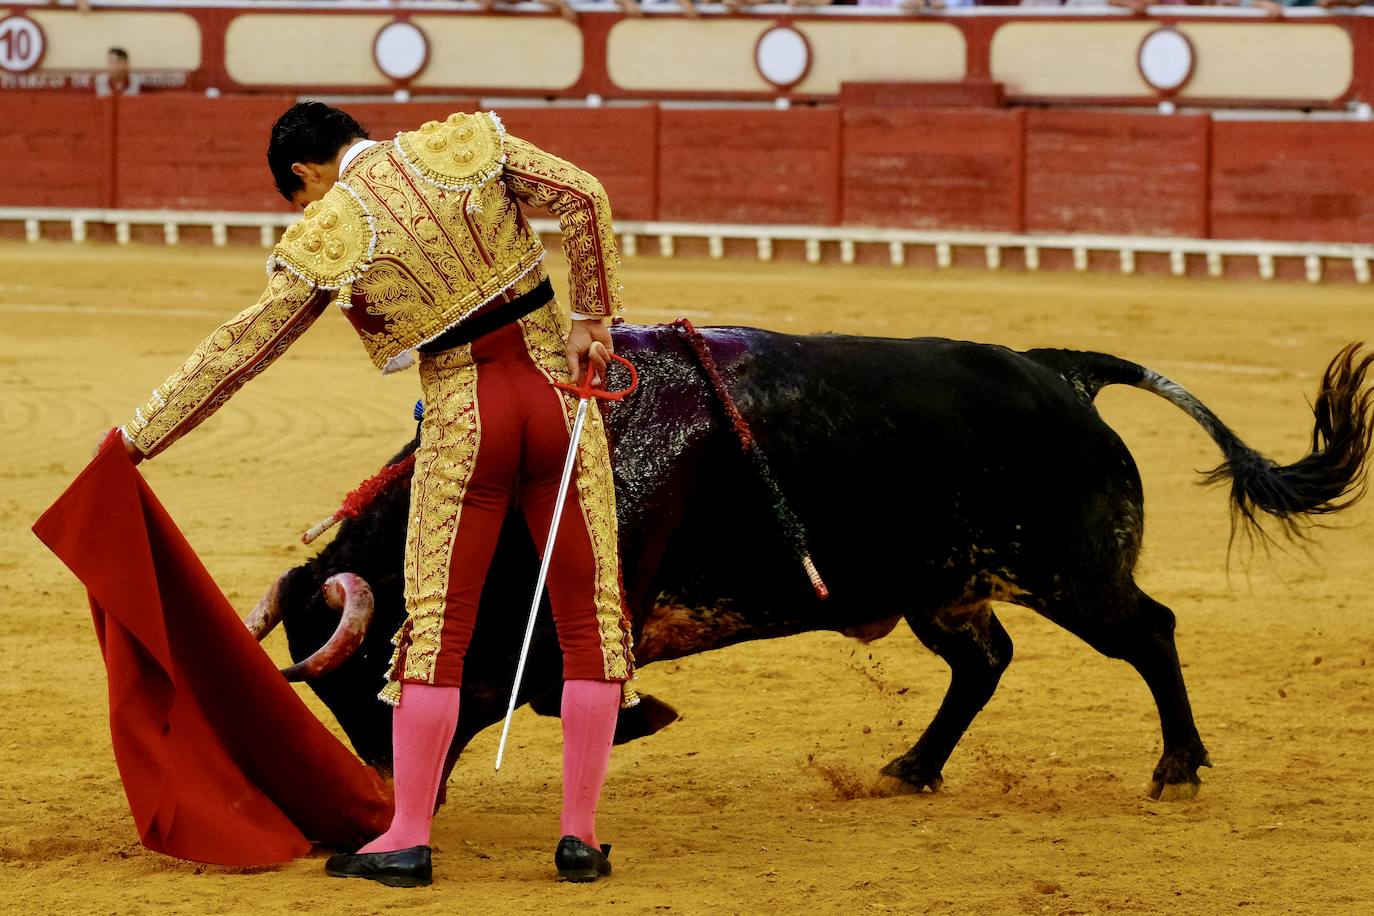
644,718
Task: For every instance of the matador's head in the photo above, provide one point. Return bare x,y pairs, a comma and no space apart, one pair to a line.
304,150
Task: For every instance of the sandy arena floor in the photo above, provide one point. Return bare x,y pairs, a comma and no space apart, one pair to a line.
757,800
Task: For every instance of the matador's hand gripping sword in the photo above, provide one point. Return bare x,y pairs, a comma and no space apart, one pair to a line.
585,392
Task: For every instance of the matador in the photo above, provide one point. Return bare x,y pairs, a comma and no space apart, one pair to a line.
421,242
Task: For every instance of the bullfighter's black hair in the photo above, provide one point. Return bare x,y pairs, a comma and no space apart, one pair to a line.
309,132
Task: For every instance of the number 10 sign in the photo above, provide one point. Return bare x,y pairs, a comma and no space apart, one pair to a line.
21,44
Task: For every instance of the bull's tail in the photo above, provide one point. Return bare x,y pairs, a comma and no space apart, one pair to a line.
1330,477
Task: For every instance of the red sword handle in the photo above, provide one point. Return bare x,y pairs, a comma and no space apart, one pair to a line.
588,387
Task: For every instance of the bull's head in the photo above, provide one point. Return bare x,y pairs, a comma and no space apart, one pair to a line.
346,593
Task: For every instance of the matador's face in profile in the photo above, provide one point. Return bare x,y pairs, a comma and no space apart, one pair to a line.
316,178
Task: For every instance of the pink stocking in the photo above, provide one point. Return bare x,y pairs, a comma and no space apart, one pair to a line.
589,714
422,728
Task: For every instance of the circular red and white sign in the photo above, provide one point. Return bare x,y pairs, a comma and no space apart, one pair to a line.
783,56
22,44
401,49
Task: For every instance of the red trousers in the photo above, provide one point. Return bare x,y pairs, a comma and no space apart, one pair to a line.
494,428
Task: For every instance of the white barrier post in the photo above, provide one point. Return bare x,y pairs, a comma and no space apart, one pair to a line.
1215,266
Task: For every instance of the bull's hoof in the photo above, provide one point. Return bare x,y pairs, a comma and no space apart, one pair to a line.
1173,791
896,779
1175,779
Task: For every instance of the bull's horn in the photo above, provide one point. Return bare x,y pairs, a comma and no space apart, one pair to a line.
267,614
352,597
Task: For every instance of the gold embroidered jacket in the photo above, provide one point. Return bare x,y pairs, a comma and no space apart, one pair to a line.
419,234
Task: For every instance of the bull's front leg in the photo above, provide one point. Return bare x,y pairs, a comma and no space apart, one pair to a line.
977,649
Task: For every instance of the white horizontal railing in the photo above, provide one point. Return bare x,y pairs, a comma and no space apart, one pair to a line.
898,242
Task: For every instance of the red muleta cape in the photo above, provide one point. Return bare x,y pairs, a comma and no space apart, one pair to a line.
220,760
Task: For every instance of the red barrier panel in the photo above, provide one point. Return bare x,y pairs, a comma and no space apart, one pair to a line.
750,166
935,169
617,145
186,152
1011,170
1116,174
1299,180
56,149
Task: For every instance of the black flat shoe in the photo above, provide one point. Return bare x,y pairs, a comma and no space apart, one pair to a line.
402,868
579,862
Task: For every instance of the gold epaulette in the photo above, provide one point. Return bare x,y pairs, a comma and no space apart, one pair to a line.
332,244
460,153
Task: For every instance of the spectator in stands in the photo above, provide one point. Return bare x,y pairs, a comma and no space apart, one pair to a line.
1274,8
117,78
564,7
916,5
686,7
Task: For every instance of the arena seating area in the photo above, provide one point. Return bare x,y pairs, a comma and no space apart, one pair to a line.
1177,140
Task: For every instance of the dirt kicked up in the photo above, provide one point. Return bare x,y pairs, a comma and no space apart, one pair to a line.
759,799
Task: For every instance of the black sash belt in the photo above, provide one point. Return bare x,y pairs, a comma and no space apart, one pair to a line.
495,316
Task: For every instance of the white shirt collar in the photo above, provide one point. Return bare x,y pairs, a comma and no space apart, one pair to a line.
352,154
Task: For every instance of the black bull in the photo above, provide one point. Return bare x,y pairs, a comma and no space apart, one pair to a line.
933,477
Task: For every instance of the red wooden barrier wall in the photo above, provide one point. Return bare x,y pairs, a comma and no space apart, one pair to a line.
1299,180
1003,170
731,166
1116,174
184,153
933,169
57,150
617,145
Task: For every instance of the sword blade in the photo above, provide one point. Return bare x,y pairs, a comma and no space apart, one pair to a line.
563,485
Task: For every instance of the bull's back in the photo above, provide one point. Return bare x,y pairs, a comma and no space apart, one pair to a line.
968,447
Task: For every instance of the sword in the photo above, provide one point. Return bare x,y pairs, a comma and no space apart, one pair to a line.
586,393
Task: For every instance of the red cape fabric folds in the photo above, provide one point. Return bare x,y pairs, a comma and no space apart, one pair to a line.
220,760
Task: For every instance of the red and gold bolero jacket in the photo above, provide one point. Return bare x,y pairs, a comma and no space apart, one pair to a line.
418,235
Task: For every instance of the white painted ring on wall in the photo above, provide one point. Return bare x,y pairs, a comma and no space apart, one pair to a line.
1166,59
401,49
22,44
783,56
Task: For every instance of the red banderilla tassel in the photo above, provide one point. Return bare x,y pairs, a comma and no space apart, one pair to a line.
356,502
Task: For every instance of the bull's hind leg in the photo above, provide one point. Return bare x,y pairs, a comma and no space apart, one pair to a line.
1140,631
977,650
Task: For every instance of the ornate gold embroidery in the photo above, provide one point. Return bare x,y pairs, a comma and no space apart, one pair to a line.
333,243
447,238
444,462
584,215
237,351
436,261
459,154
545,331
